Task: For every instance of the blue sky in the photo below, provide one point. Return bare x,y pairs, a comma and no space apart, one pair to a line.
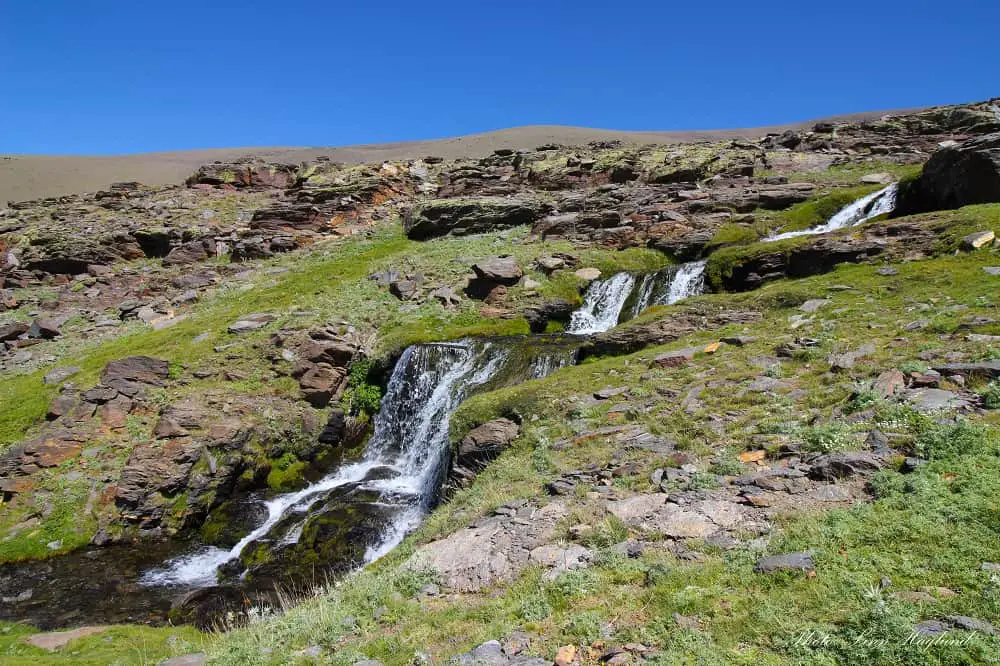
86,76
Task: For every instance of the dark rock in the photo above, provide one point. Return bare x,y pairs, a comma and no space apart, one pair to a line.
190,253
786,562
404,290
972,624
44,328
953,177
984,369
843,465
468,216
930,628
13,330
539,316
485,442
139,369
335,428
321,384
499,270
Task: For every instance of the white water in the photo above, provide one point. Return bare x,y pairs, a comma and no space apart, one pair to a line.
410,439
859,212
602,304
688,281
605,299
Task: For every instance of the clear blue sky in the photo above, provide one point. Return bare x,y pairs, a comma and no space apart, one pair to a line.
86,76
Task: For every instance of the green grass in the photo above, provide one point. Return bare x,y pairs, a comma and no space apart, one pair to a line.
119,645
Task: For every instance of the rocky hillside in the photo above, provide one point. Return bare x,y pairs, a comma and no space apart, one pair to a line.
799,465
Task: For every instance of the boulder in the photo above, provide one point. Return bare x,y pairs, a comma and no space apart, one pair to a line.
321,384
44,327
500,270
462,216
262,175
190,253
138,369
844,465
957,176
539,316
485,442
786,562
13,330
978,240
985,369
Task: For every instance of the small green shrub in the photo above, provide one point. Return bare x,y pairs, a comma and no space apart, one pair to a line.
991,395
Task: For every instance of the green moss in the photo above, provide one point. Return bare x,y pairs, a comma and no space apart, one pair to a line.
733,234
287,473
722,262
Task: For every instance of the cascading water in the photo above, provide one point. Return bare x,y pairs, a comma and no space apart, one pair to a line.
609,302
602,304
866,208
405,460
688,281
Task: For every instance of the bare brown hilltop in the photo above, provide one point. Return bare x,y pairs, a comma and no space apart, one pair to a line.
24,177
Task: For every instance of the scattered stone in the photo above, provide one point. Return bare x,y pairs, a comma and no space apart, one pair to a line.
59,375
673,359
57,640
935,400
44,328
845,465
194,659
877,179
588,274
739,341
786,562
889,383
978,240
813,304
565,655
499,270
252,322
930,628
13,330
985,369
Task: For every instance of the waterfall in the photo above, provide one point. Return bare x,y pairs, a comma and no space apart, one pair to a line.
602,304
688,281
405,460
859,212
620,298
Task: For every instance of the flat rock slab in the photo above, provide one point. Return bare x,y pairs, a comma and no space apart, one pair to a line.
786,562
196,659
494,550
57,640
652,513
935,400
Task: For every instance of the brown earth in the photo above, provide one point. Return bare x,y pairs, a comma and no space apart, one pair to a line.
24,177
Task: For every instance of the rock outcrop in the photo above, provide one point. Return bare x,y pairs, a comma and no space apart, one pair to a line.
956,176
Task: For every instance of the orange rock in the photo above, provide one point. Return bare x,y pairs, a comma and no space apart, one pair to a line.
712,348
566,655
753,456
